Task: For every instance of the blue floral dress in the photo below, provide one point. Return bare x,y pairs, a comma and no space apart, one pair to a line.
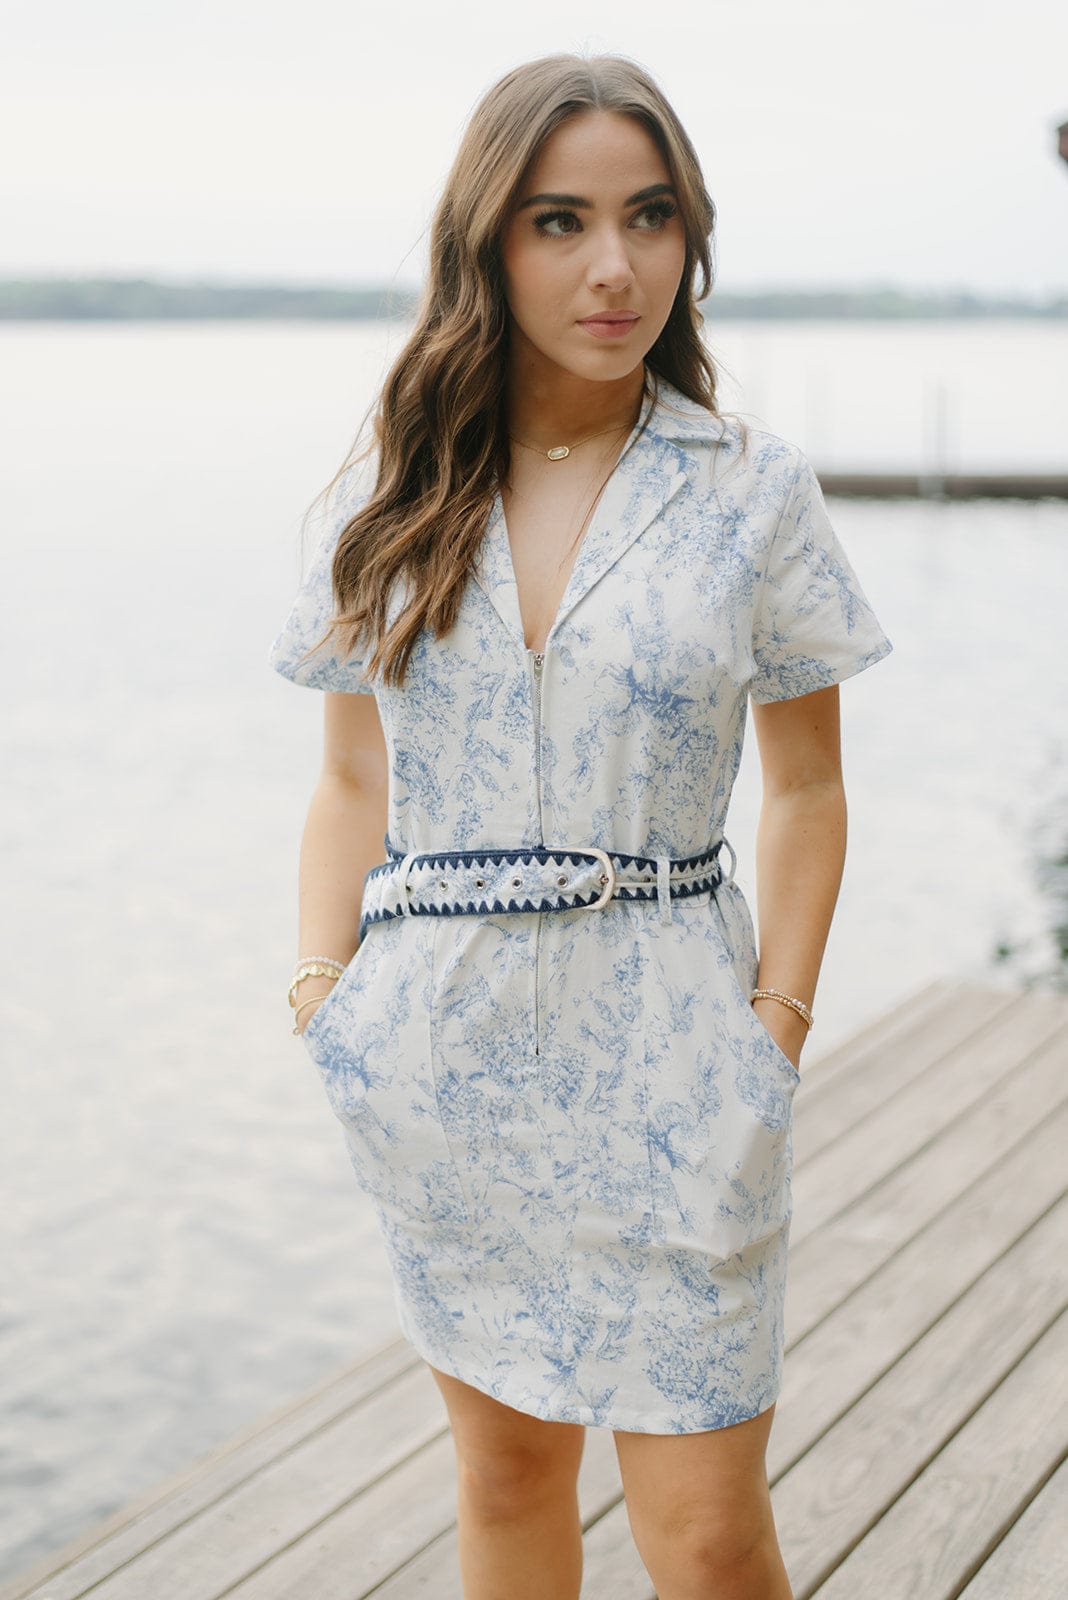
574,1128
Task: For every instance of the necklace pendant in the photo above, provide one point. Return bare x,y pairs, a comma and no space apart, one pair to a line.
558,452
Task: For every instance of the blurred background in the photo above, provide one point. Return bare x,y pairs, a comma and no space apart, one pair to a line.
214,225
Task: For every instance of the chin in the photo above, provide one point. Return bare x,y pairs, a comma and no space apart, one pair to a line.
600,366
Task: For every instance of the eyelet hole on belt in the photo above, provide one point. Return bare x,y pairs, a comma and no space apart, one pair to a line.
561,880
480,883
517,883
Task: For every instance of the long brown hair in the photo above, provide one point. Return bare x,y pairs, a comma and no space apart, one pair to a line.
440,428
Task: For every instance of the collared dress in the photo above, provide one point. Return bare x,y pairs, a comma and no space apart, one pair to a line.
574,1128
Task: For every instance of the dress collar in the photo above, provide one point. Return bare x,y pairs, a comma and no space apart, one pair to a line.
652,469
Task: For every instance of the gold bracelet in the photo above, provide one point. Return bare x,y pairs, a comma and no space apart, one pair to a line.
312,1002
787,1000
314,967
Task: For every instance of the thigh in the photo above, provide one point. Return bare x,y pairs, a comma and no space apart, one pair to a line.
495,1438
715,1480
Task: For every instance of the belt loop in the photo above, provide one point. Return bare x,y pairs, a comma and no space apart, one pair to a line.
405,897
663,887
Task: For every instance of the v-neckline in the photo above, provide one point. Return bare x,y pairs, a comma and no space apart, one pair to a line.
532,649
583,544
650,471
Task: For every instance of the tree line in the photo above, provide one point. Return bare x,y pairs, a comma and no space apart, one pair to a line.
132,299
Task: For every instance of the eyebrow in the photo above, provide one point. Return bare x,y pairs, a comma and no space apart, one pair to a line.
577,201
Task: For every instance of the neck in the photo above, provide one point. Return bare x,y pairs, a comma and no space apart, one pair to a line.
551,407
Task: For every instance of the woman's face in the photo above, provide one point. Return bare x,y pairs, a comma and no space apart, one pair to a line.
595,232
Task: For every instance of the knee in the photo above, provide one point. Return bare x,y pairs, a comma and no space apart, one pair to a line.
506,1484
721,1547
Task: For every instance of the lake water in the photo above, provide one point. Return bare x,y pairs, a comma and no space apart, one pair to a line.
183,1244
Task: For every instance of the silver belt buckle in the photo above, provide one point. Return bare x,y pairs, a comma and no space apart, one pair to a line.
610,872
734,862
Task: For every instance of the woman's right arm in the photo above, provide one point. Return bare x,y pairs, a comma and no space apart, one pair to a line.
343,836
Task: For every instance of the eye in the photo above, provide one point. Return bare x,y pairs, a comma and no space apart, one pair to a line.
542,220
661,211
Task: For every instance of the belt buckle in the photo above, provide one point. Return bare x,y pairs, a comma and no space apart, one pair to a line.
734,862
606,861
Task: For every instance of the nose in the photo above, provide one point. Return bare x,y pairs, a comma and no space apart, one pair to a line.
610,265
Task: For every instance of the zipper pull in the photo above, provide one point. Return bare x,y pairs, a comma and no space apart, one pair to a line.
538,660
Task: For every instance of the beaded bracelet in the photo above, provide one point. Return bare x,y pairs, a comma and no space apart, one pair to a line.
314,967
787,1000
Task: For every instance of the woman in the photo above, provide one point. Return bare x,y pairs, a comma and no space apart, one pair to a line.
566,573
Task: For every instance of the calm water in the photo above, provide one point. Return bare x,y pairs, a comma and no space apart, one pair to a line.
183,1244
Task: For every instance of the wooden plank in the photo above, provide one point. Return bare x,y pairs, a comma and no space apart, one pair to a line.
433,1574
362,1543
934,1537
900,1021
1031,1562
827,1106
828,1500
866,1334
346,1458
846,1251
946,485
910,1116
216,1526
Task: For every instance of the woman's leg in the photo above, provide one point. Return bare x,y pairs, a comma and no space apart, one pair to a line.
517,1498
700,1512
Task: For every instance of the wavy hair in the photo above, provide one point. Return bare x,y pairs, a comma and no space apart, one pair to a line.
440,429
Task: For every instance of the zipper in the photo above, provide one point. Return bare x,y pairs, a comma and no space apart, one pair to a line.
537,662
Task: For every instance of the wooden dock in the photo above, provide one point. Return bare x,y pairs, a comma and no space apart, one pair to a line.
919,1447
935,485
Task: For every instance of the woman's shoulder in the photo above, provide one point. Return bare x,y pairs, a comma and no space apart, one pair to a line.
724,446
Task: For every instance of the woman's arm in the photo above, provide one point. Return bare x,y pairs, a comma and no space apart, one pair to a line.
343,835
800,851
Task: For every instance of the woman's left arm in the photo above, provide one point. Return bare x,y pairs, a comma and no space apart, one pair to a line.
800,852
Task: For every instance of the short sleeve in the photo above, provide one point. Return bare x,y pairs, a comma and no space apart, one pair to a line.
813,624
314,606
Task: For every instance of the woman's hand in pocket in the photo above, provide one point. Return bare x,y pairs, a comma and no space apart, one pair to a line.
785,1026
313,988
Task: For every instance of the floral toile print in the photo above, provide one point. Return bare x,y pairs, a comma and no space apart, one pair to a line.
574,1128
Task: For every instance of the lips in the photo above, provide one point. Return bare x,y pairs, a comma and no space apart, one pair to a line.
610,324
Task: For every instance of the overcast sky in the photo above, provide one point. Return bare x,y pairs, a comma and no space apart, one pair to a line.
843,143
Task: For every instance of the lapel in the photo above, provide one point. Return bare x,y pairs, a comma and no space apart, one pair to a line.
652,468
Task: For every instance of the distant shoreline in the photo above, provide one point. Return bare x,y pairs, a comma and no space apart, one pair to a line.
155,299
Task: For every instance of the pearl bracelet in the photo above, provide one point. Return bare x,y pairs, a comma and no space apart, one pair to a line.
787,1000
314,967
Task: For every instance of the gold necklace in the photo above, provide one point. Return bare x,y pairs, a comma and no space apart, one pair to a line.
560,452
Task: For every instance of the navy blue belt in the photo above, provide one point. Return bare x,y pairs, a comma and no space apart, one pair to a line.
450,883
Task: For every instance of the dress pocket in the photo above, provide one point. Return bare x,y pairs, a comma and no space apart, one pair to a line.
372,1047
719,1090
307,1033
748,1174
733,925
